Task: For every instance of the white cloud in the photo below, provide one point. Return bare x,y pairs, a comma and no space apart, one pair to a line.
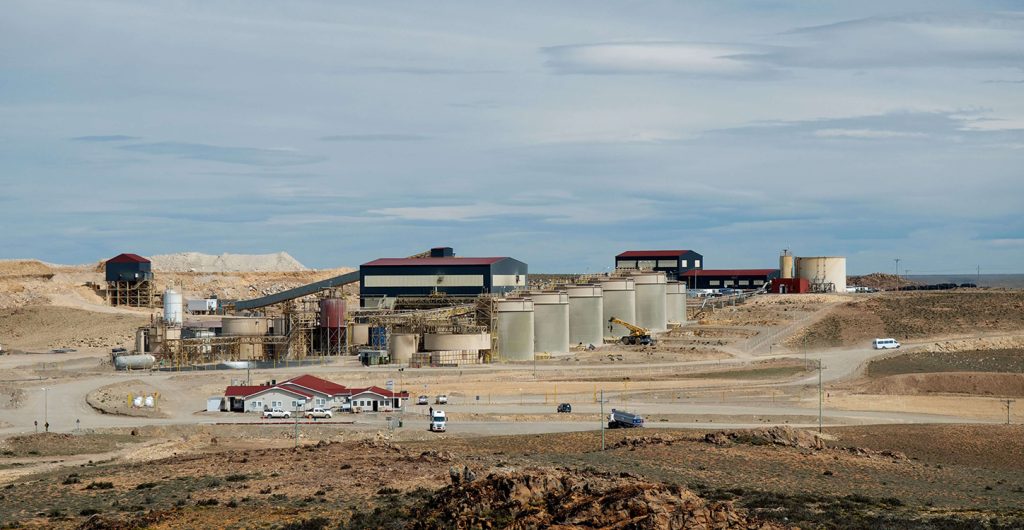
866,134
684,58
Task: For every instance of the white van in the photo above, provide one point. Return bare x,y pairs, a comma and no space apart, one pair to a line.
885,344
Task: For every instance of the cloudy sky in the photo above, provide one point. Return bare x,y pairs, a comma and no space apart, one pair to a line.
559,133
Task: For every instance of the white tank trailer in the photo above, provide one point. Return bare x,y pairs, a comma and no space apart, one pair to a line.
650,300
401,346
825,274
515,329
675,303
134,362
550,322
586,316
619,301
173,311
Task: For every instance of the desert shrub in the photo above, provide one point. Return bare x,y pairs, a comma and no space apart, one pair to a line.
316,523
237,477
207,502
86,512
100,486
72,479
387,491
146,486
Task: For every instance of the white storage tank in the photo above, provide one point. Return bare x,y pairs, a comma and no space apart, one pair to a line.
515,329
246,327
675,303
134,362
550,322
173,311
586,322
456,341
650,300
401,346
823,273
619,301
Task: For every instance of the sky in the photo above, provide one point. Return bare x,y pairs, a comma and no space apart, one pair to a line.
558,133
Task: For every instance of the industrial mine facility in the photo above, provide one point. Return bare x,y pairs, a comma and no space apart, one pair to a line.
439,309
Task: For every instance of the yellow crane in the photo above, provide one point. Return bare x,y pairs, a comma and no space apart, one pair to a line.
637,334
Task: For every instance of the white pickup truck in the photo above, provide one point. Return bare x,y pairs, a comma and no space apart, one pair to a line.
276,413
319,413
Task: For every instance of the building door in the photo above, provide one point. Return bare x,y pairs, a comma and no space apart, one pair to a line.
375,405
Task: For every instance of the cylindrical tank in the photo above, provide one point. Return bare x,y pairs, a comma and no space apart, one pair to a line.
619,301
456,341
786,264
245,327
134,362
675,302
332,313
550,322
401,347
823,273
515,329
650,300
142,340
278,326
360,334
173,311
585,314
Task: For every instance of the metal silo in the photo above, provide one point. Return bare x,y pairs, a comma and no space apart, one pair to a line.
456,341
619,301
786,264
650,300
172,307
824,273
401,346
332,326
550,321
586,322
245,327
515,329
675,303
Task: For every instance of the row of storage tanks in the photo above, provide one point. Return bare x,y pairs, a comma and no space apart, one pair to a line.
553,321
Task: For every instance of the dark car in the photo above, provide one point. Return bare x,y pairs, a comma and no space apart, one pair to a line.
564,407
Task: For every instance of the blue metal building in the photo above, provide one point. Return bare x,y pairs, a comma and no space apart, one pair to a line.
128,268
674,263
441,273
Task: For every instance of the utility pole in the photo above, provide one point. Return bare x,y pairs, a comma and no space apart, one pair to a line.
897,274
979,275
1008,403
820,396
602,419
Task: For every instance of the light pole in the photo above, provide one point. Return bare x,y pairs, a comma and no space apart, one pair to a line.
602,419
298,403
897,260
46,409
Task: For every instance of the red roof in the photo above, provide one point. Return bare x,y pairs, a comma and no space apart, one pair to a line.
405,262
730,272
652,253
127,258
380,392
243,391
312,382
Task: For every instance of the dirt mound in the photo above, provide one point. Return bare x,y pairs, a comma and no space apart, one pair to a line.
196,262
548,498
20,268
642,441
973,383
879,280
784,436
118,399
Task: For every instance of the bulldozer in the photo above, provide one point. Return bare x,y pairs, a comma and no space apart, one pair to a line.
637,334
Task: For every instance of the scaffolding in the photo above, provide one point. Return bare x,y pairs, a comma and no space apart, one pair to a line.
130,294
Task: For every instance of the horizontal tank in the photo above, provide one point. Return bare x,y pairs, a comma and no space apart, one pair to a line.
332,313
515,329
650,300
550,322
456,341
134,362
824,273
675,303
401,346
619,301
585,314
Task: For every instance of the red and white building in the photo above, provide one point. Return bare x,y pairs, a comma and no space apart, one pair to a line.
306,392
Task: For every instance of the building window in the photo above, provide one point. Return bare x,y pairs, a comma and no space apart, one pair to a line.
696,263
728,283
321,402
257,405
626,264
276,404
758,282
744,282
714,282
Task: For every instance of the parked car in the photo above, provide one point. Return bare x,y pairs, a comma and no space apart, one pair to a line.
441,400
276,413
422,400
564,407
319,413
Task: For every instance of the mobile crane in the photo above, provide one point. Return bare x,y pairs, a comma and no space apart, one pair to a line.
637,334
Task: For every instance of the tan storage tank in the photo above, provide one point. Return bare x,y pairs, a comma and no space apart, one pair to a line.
550,322
585,315
245,327
515,329
360,334
401,346
675,303
786,264
456,341
650,300
619,301
825,274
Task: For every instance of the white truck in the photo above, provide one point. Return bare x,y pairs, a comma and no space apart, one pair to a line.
438,421
276,413
319,413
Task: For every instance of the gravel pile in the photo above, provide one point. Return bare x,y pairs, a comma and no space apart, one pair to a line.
196,262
